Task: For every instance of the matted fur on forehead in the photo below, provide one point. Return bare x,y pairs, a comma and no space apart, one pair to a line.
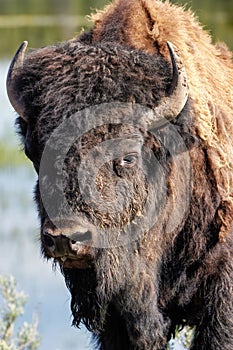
61,80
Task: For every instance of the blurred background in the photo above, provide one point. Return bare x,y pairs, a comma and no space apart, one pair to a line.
43,22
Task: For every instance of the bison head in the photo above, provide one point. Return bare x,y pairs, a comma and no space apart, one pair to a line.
95,123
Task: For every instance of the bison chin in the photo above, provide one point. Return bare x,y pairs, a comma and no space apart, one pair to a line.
86,305
95,290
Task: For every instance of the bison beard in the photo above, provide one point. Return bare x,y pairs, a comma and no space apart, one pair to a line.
179,271
118,303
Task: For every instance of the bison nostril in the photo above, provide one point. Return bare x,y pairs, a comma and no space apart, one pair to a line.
48,240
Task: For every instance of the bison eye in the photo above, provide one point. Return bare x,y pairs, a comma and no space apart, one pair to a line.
129,160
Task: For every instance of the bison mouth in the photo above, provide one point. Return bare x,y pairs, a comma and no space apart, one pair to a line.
79,262
82,258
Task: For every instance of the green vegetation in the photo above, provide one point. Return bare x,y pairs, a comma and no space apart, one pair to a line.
12,306
215,15
80,7
21,20
26,20
11,156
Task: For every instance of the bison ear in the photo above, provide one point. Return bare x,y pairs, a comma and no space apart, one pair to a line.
133,23
12,91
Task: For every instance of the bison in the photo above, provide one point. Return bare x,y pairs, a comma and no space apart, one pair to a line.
129,127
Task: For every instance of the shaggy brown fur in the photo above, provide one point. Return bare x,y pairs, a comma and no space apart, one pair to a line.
133,296
148,25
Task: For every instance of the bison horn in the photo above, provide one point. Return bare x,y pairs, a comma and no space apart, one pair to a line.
13,95
171,106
